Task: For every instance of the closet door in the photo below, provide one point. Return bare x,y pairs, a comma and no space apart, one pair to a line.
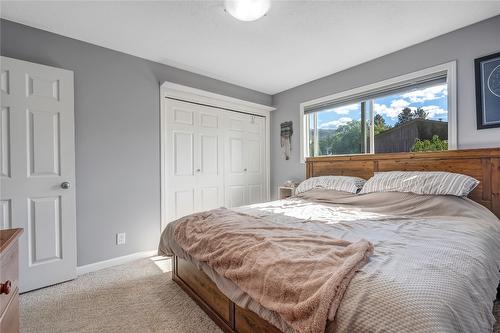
209,167
236,189
194,159
244,159
254,152
180,159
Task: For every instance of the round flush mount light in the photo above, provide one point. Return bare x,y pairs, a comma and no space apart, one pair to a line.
247,10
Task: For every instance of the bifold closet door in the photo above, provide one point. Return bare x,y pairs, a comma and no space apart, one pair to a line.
194,159
245,179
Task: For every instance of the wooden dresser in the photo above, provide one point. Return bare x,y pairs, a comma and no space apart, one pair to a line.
9,270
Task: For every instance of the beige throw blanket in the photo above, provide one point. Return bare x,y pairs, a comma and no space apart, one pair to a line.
299,274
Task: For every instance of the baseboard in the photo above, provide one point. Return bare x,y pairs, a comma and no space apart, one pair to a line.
114,261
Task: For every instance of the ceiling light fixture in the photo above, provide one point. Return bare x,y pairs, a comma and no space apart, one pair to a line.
247,10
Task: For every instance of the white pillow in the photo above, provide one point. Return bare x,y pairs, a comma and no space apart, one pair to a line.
421,182
336,183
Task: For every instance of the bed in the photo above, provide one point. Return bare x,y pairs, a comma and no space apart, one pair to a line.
436,259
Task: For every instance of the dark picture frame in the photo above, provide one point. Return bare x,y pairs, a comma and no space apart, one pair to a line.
487,72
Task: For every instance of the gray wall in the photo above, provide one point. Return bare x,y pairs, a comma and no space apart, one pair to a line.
117,121
463,45
117,135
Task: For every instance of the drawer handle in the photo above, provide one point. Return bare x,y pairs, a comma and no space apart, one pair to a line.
5,287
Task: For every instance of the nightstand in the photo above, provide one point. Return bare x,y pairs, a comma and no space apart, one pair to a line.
286,192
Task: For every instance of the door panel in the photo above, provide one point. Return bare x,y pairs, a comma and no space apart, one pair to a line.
44,231
237,196
184,202
253,156
183,153
37,151
42,87
236,162
209,198
209,120
5,214
209,150
4,142
4,81
43,142
183,117
236,123
255,193
255,125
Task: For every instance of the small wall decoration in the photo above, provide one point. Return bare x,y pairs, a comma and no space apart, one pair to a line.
487,70
286,138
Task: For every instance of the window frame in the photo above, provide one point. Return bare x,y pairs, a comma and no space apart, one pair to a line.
449,69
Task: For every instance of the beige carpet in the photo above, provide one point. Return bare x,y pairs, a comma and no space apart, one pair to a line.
135,297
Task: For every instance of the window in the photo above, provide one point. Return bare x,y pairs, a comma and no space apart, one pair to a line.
408,113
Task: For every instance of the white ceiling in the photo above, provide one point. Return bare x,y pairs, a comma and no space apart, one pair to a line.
298,41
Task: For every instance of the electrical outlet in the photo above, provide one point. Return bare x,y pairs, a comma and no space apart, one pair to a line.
120,238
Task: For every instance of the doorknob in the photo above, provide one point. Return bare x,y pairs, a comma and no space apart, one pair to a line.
198,170
5,287
65,185
245,169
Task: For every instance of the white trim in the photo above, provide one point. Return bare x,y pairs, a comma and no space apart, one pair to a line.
451,78
189,94
163,161
80,270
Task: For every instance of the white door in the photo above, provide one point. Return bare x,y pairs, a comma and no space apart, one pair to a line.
194,159
38,169
210,153
236,189
245,178
255,154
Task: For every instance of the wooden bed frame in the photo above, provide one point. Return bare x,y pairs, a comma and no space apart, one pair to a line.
228,316
482,164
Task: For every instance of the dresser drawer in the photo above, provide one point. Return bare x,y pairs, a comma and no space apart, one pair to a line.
8,272
9,320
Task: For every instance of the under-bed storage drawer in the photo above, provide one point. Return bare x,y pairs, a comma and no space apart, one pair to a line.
247,321
201,284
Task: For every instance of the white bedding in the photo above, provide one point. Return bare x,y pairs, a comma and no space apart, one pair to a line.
435,267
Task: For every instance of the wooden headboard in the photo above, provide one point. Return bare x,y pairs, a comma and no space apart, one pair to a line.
482,164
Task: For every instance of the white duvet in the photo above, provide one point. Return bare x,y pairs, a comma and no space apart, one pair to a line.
435,267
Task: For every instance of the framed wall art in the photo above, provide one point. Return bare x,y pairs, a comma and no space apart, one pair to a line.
487,70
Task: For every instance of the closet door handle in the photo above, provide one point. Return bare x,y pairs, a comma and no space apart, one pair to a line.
245,169
198,170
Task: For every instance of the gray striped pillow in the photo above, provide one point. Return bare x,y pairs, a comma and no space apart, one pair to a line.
421,182
336,183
